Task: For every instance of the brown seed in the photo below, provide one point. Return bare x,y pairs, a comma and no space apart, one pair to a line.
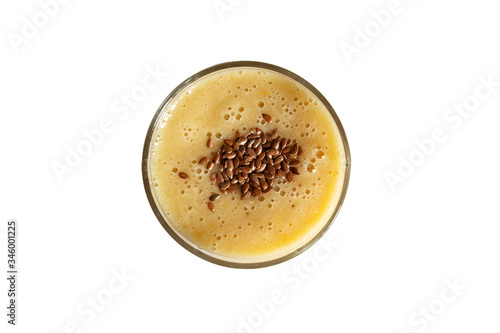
183,175
203,160
270,182
286,150
294,163
281,173
228,148
268,175
274,134
251,152
232,189
210,142
216,158
253,136
241,141
210,165
219,178
295,171
252,165
226,178
278,159
276,144
284,166
289,177
299,152
211,206
270,169
228,142
277,166
250,143
261,156
254,184
234,180
237,134
230,165
214,197
257,192
267,190
246,169
283,143
241,178
256,143
263,139
213,177
229,173
236,162
258,175
260,168
230,156
224,185
263,183
254,178
272,152
294,150
245,196
267,117
245,187
246,159
258,150
223,191
258,163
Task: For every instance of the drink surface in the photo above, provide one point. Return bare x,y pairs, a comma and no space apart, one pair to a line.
258,228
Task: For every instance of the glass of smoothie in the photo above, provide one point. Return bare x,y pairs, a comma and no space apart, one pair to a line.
246,164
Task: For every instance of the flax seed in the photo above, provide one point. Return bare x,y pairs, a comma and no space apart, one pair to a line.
272,152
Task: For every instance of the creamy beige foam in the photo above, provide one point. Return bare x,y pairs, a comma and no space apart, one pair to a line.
258,228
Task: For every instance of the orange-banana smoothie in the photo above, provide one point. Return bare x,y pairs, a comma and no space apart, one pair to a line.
259,228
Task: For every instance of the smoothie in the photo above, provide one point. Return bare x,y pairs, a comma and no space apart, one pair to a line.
226,105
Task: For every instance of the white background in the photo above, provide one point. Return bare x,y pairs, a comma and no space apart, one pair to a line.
396,248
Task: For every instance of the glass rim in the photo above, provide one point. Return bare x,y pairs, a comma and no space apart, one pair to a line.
150,191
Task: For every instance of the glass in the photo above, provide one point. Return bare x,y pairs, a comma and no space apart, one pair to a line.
149,186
